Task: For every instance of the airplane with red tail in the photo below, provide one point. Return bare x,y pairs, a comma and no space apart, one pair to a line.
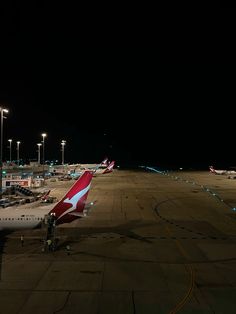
72,206
108,169
220,171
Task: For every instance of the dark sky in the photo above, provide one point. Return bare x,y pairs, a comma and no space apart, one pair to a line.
110,94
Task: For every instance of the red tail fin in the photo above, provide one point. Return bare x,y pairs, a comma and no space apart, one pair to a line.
72,204
110,167
45,195
212,169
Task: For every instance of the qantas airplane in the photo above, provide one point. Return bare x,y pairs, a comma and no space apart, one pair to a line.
94,167
217,171
70,207
108,169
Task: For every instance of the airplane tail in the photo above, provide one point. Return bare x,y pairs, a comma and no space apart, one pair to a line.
45,195
71,206
104,163
110,167
212,169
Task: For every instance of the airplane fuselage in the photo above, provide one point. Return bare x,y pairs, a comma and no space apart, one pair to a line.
69,208
19,219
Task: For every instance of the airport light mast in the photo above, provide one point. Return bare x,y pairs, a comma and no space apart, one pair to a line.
18,152
39,145
2,110
10,142
63,143
43,135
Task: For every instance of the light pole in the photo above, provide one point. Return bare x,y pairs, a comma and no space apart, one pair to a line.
63,143
2,112
10,141
18,152
39,145
43,135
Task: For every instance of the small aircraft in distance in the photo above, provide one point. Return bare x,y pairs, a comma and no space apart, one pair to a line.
72,206
104,163
222,171
94,167
108,169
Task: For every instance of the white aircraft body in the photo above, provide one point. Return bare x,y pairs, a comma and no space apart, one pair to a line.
220,171
94,167
108,169
70,207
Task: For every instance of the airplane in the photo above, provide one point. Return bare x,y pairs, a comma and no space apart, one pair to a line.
45,196
72,206
108,169
94,167
217,171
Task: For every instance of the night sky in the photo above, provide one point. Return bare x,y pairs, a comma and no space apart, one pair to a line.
110,95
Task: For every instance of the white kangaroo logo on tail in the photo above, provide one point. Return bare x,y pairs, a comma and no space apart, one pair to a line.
74,200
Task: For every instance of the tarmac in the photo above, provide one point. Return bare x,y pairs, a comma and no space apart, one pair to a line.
152,243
